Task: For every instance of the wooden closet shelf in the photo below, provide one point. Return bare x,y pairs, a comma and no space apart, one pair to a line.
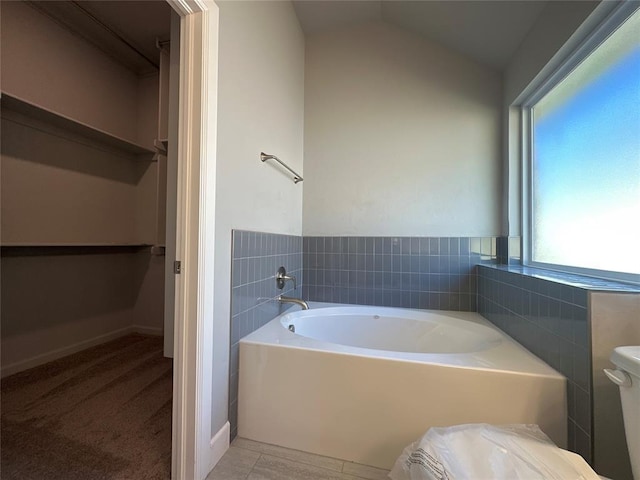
72,245
55,250
29,109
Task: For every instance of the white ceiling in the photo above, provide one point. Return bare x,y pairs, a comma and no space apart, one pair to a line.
488,31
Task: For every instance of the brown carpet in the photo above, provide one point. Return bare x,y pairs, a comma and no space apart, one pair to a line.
100,414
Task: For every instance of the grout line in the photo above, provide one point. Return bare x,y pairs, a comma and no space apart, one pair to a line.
253,467
276,455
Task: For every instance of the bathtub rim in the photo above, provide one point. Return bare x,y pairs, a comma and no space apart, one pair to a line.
508,357
481,336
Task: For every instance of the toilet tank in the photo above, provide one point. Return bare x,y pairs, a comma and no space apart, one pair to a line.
627,376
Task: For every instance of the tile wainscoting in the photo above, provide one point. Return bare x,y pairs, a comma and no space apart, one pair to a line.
411,272
550,320
255,258
571,322
549,313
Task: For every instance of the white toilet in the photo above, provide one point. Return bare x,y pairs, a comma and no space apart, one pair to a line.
627,377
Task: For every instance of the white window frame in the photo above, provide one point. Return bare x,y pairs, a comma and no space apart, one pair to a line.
610,24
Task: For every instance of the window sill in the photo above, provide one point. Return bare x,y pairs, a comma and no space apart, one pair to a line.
571,279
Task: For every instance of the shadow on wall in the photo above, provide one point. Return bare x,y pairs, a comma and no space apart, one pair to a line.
49,286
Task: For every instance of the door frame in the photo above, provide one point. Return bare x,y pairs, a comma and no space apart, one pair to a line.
194,449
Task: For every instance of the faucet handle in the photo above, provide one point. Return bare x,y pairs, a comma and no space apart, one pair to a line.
282,277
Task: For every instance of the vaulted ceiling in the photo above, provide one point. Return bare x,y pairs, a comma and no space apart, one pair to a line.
489,31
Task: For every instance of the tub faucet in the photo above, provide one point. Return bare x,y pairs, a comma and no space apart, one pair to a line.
297,301
282,277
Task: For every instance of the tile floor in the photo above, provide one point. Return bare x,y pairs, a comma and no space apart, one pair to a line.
249,460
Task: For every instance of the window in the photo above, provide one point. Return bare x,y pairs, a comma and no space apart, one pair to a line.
584,166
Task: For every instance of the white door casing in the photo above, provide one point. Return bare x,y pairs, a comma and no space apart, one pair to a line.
195,450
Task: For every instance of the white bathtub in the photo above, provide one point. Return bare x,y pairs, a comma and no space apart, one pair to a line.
360,383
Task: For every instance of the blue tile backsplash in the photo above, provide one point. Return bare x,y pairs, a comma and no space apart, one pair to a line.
255,258
550,319
546,311
411,272
549,313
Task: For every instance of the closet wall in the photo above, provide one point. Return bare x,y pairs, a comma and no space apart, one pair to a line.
82,194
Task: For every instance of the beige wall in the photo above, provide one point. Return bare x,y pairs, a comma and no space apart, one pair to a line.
44,63
58,191
260,108
59,188
59,301
148,289
55,304
402,137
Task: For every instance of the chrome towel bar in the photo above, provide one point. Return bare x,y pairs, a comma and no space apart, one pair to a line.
265,156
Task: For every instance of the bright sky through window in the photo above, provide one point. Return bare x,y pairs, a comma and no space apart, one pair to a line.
586,161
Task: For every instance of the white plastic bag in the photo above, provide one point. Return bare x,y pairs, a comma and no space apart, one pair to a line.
488,452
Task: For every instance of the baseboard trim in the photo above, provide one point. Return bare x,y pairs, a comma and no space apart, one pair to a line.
219,445
141,329
43,358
